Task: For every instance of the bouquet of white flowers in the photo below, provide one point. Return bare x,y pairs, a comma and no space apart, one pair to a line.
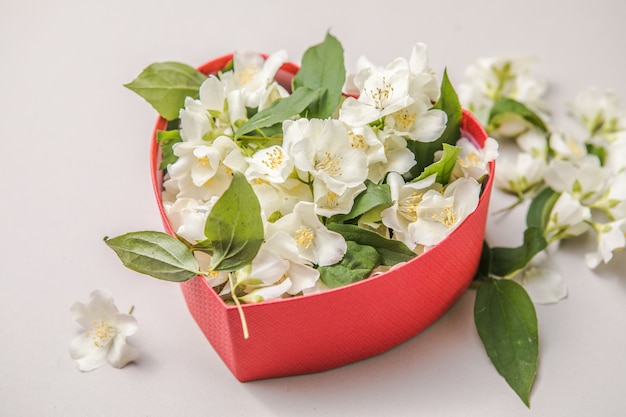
319,169
327,213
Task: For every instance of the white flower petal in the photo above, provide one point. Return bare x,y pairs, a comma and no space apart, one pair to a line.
105,333
121,353
87,355
544,286
267,293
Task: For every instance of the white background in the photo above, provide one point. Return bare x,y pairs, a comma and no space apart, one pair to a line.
74,166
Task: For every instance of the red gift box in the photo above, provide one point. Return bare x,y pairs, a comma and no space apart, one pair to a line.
317,332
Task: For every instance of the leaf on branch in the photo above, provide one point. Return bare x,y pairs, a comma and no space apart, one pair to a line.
280,110
506,261
504,107
374,196
322,69
234,228
540,207
444,167
165,85
507,325
166,140
391,252
425,151
156,254
356,265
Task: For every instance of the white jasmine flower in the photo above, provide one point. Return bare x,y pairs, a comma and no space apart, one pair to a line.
438,215
227,107
267,293
489,79
534,142
520,176
367,140
215,113
613,201
382,91
274,92
197,159
610,237
474,161
281,197
568,218
417,122
616,155
195,121
203,170
187,217
406,198
183,187
567,147
601,112
509,125
323,150
543,285
328,203
252,75
316,244
277,262
585,180
424,85
271,164
397,157
105,333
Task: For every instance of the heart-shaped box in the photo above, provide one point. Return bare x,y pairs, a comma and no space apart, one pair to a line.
321,331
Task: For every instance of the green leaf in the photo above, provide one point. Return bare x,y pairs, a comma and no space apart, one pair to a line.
444,167
356,265
391,252
375,195
540,207
506,261
165,85
280,110
322,69
507,325
156,254
425,151
234,226
504,107
167,139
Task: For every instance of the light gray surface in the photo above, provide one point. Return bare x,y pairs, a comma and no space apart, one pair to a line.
75,168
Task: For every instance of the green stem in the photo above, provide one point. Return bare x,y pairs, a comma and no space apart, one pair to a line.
242,316
130,312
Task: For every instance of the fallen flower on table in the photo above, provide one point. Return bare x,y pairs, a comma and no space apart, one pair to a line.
105,333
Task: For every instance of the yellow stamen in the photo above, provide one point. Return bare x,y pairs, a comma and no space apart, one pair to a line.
447,217
381,95
408,206
203,161
471,160
247,74
404,119
274,159
356,141
331,199
102,333
304,237
330,164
